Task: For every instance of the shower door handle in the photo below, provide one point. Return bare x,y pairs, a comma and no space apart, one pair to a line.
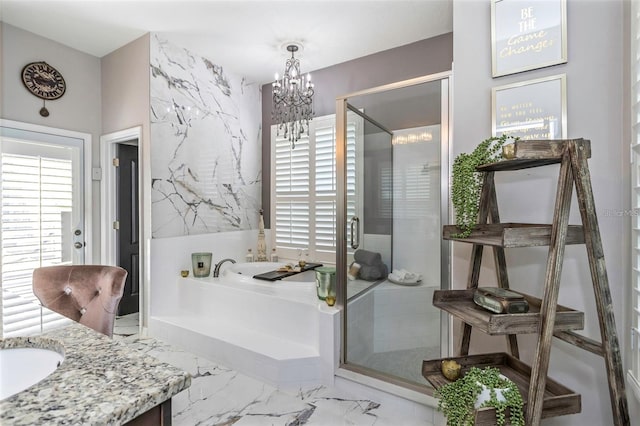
355,241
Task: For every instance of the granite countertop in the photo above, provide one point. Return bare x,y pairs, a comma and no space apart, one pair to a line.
100,382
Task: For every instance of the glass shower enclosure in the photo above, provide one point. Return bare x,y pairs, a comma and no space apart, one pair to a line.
392,156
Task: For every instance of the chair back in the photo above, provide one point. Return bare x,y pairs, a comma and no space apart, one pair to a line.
88,294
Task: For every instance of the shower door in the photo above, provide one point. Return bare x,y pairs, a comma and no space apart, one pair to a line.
392,186
369,195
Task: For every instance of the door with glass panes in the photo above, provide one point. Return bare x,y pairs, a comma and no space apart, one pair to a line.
42,213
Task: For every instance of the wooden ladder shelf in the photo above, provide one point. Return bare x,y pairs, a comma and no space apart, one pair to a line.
543,396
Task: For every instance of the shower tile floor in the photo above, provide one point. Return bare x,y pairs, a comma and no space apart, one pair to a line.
405,363
219,396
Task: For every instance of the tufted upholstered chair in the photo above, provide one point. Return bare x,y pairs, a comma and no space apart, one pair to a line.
88,294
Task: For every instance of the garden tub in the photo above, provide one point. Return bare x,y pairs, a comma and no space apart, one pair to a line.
278,332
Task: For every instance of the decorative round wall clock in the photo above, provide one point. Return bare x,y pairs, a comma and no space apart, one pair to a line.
43,81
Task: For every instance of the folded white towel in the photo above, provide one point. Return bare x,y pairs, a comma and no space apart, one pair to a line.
402,275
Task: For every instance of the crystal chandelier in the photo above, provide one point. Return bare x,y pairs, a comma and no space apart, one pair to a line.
292,100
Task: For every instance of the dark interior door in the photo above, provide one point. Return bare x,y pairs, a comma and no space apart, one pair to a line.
128,245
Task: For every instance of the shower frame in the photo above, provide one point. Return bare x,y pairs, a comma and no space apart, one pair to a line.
357,373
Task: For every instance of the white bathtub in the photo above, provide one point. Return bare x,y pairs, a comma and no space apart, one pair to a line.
276,331
300,287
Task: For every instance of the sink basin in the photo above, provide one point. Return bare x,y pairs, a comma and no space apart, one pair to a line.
26,361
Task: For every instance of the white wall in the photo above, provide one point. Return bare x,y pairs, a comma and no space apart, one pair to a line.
171,255
79,109
594,98
416,204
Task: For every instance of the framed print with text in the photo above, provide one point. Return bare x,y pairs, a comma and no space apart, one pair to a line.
532,109
527,34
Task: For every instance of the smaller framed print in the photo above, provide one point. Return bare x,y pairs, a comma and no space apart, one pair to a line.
533,109
527,34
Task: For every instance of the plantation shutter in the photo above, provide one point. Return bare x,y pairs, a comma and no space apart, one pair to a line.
292,193
36,204
325,185
634,376
352,180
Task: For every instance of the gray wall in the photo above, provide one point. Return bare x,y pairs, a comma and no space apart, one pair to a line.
125,87
79,109
125,104
595,109
417,59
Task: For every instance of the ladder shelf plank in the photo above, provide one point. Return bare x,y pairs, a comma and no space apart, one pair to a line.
460,304
558,399
509,235
536,153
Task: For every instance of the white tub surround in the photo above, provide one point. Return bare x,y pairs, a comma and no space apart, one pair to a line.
283,336
172,255
207,151
278,332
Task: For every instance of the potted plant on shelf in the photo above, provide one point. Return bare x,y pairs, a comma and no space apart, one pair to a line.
466,182
480,388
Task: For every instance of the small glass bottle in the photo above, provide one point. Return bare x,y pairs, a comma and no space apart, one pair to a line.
274,255
249,257
302,258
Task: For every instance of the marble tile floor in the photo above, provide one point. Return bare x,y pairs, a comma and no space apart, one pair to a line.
126,325
219,396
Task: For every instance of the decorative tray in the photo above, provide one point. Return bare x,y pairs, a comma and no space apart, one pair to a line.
278,275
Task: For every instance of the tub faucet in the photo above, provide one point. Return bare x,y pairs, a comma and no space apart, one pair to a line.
216,269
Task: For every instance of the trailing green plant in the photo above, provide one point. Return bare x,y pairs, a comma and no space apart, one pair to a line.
458,399
466,182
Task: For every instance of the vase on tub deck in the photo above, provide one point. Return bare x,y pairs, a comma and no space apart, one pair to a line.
326,284
201,263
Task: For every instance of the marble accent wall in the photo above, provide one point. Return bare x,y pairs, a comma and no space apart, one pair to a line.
206,145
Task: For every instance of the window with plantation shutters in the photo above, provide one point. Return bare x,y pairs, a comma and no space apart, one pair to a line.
37,198
325,186
291,189
634,373
305,188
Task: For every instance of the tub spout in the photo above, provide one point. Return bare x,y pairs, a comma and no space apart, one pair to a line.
216,270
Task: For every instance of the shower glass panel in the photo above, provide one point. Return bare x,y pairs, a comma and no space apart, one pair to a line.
369,191
393,248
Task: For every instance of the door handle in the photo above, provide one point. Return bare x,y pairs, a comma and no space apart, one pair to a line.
355,241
